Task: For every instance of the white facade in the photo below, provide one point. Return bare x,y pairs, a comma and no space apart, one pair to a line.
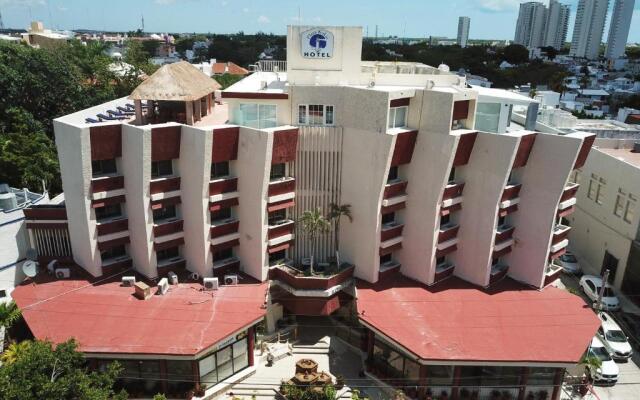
463,31
588,29
557,24
619,28
530,28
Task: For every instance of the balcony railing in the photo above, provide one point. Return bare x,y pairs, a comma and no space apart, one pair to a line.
107,183
167,227
498,272
391,230
223,185
164,185
224,227
281,186
443,271
511,191
298,280
552,272
560,233
395,188
280,228
117,263
447,232
570,191
172,263
452,190
225,265
504,232
112,226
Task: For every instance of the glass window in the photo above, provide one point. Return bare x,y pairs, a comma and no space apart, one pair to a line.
225,363
108,211
600,194
393,174
385,259
328,117
161,168
249,115
630,210
258,116
167,253
398,117
277,216
315,114
223,254
591,193
439,375
389,217
488,117
113,252
625,206
220,169
181,377
103,167
302,114
221,214
166,212
208,372
240,355
278,171
541,376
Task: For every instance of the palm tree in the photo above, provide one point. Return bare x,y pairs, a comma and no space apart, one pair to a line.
9,314
591,364
336,213
12,353
314,224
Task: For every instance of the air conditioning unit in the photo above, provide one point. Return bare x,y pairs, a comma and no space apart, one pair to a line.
128,281
62,273
195,276
173,278
210,284
231,279
163,286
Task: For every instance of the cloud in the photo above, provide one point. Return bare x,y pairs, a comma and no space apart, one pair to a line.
498,5
263,19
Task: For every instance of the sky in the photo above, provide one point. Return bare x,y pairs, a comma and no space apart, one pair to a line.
490,19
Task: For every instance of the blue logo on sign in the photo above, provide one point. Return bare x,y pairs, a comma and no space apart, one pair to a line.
318,41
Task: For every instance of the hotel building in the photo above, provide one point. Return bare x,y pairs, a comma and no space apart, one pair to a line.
446,263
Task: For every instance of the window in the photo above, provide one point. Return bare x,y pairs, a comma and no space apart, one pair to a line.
277,258
441,260
596,188
161,168
258,116
445,220
625,206
221,214
223,254
166,254
278,171
3,294
103,167
315,114
166,212
388,218
113,252
452,174
277,216
575,176
385,259
398,117
108,211
220,169
227,361
439,375
393,174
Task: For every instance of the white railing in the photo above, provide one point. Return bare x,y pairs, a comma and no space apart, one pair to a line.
270,66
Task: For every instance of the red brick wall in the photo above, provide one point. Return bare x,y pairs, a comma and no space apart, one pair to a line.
284,146
165,143
106,142
225,144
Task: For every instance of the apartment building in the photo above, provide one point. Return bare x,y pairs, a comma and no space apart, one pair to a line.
606,223
441,214
557,24
588,29
619,29
464,24
531,25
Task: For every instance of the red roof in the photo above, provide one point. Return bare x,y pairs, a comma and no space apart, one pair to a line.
456,321
220,68
107,318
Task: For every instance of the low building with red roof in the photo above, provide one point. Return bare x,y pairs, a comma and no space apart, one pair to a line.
229,67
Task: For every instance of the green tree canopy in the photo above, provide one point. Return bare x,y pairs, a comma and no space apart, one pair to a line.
515,54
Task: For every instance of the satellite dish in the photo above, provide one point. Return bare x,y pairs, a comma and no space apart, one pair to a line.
32,254
52,266
30,268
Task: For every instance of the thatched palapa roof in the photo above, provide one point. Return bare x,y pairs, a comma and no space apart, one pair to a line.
179,81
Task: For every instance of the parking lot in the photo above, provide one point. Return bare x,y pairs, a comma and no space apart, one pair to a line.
628,386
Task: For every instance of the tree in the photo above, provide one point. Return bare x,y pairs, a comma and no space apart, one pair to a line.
138,56
314,224
14,351
44,371
9,315
226,80
515,54
336,213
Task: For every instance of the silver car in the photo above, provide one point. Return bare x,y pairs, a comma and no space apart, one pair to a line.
569,263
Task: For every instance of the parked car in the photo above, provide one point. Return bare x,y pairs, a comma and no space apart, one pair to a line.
569,263
590,286
631,324
608,371
614,339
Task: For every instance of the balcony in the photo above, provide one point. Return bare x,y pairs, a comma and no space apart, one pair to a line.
388,268
566,204
395,188
224,227
560,233
554,255
511,191
503,233
327,283
561,245
552,272
172,263
452,202
451,209
281,186
498,272
399,198
167,227
443,271
221,267
45,213
452,190
569,191
114,225
447,232
117,263
390,231
107,183
223,185
164,185
280,228
502,248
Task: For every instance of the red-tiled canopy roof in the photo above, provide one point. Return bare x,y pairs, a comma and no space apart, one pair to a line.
107,318
455,321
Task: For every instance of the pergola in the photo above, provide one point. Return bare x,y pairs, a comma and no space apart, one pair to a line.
176,92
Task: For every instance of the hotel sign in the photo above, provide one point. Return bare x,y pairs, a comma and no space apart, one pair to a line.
317,43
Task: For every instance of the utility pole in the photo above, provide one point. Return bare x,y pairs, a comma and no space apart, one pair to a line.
605,279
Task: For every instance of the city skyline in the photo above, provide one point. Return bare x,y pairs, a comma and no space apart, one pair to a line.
495,19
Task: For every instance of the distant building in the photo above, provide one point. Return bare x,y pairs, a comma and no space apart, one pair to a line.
589,27
463,31
530,28
219,68
557,24
39,37
619,28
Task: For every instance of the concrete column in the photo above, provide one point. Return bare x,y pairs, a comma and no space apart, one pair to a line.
532,117
422,382
189,109
251,340
197,110
138,106
557,383
455,389
209,103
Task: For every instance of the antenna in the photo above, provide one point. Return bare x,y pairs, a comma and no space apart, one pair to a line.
299,16
1,23
142,15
